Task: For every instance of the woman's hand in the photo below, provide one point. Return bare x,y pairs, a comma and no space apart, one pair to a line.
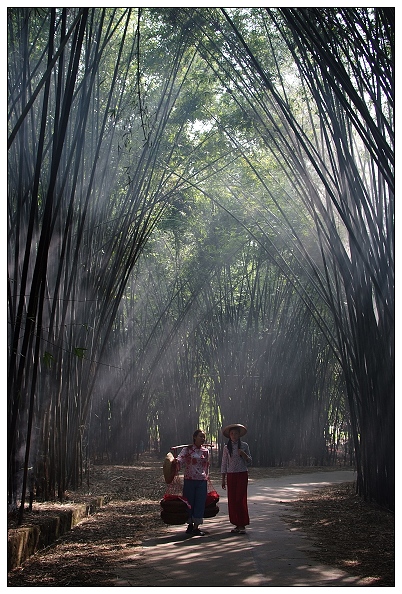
243,455
223,481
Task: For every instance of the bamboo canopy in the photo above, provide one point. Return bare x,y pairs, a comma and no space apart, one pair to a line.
200,227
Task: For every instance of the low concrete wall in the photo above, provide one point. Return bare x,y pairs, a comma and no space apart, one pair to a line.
26,541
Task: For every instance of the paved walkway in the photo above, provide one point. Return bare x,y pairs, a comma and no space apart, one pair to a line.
270,554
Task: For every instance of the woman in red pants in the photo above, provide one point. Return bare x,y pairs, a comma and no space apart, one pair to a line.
235,460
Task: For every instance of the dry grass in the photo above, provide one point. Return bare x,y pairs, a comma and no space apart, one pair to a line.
348,532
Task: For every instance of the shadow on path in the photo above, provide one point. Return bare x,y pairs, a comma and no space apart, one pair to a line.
270,554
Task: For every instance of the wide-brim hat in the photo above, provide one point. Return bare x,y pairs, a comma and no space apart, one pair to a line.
241,428
169,469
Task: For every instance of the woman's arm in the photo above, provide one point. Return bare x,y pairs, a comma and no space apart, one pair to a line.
224,466
245,453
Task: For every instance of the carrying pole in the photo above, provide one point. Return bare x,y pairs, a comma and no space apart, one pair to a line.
187,445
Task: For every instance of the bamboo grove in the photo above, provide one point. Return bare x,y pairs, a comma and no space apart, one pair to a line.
200,230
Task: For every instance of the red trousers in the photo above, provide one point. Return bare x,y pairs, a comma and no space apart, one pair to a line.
237,498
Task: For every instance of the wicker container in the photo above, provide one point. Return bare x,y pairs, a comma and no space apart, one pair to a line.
174,518
211,511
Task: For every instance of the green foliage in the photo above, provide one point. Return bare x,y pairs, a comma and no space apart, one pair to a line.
79,352
48,359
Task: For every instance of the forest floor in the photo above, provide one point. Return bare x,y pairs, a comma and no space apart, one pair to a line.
351,534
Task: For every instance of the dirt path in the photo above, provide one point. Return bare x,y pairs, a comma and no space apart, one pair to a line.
270,554
99,551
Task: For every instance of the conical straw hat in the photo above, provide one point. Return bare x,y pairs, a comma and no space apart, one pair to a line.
241,428
169,469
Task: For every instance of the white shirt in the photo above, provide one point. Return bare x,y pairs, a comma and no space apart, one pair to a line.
234,462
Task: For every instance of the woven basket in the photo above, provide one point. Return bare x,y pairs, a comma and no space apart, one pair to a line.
174,506
174,518
211,511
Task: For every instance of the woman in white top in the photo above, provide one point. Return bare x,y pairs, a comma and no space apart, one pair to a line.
235,460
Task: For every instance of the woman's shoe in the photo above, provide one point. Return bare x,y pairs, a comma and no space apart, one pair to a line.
238,530
189,529
198,532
